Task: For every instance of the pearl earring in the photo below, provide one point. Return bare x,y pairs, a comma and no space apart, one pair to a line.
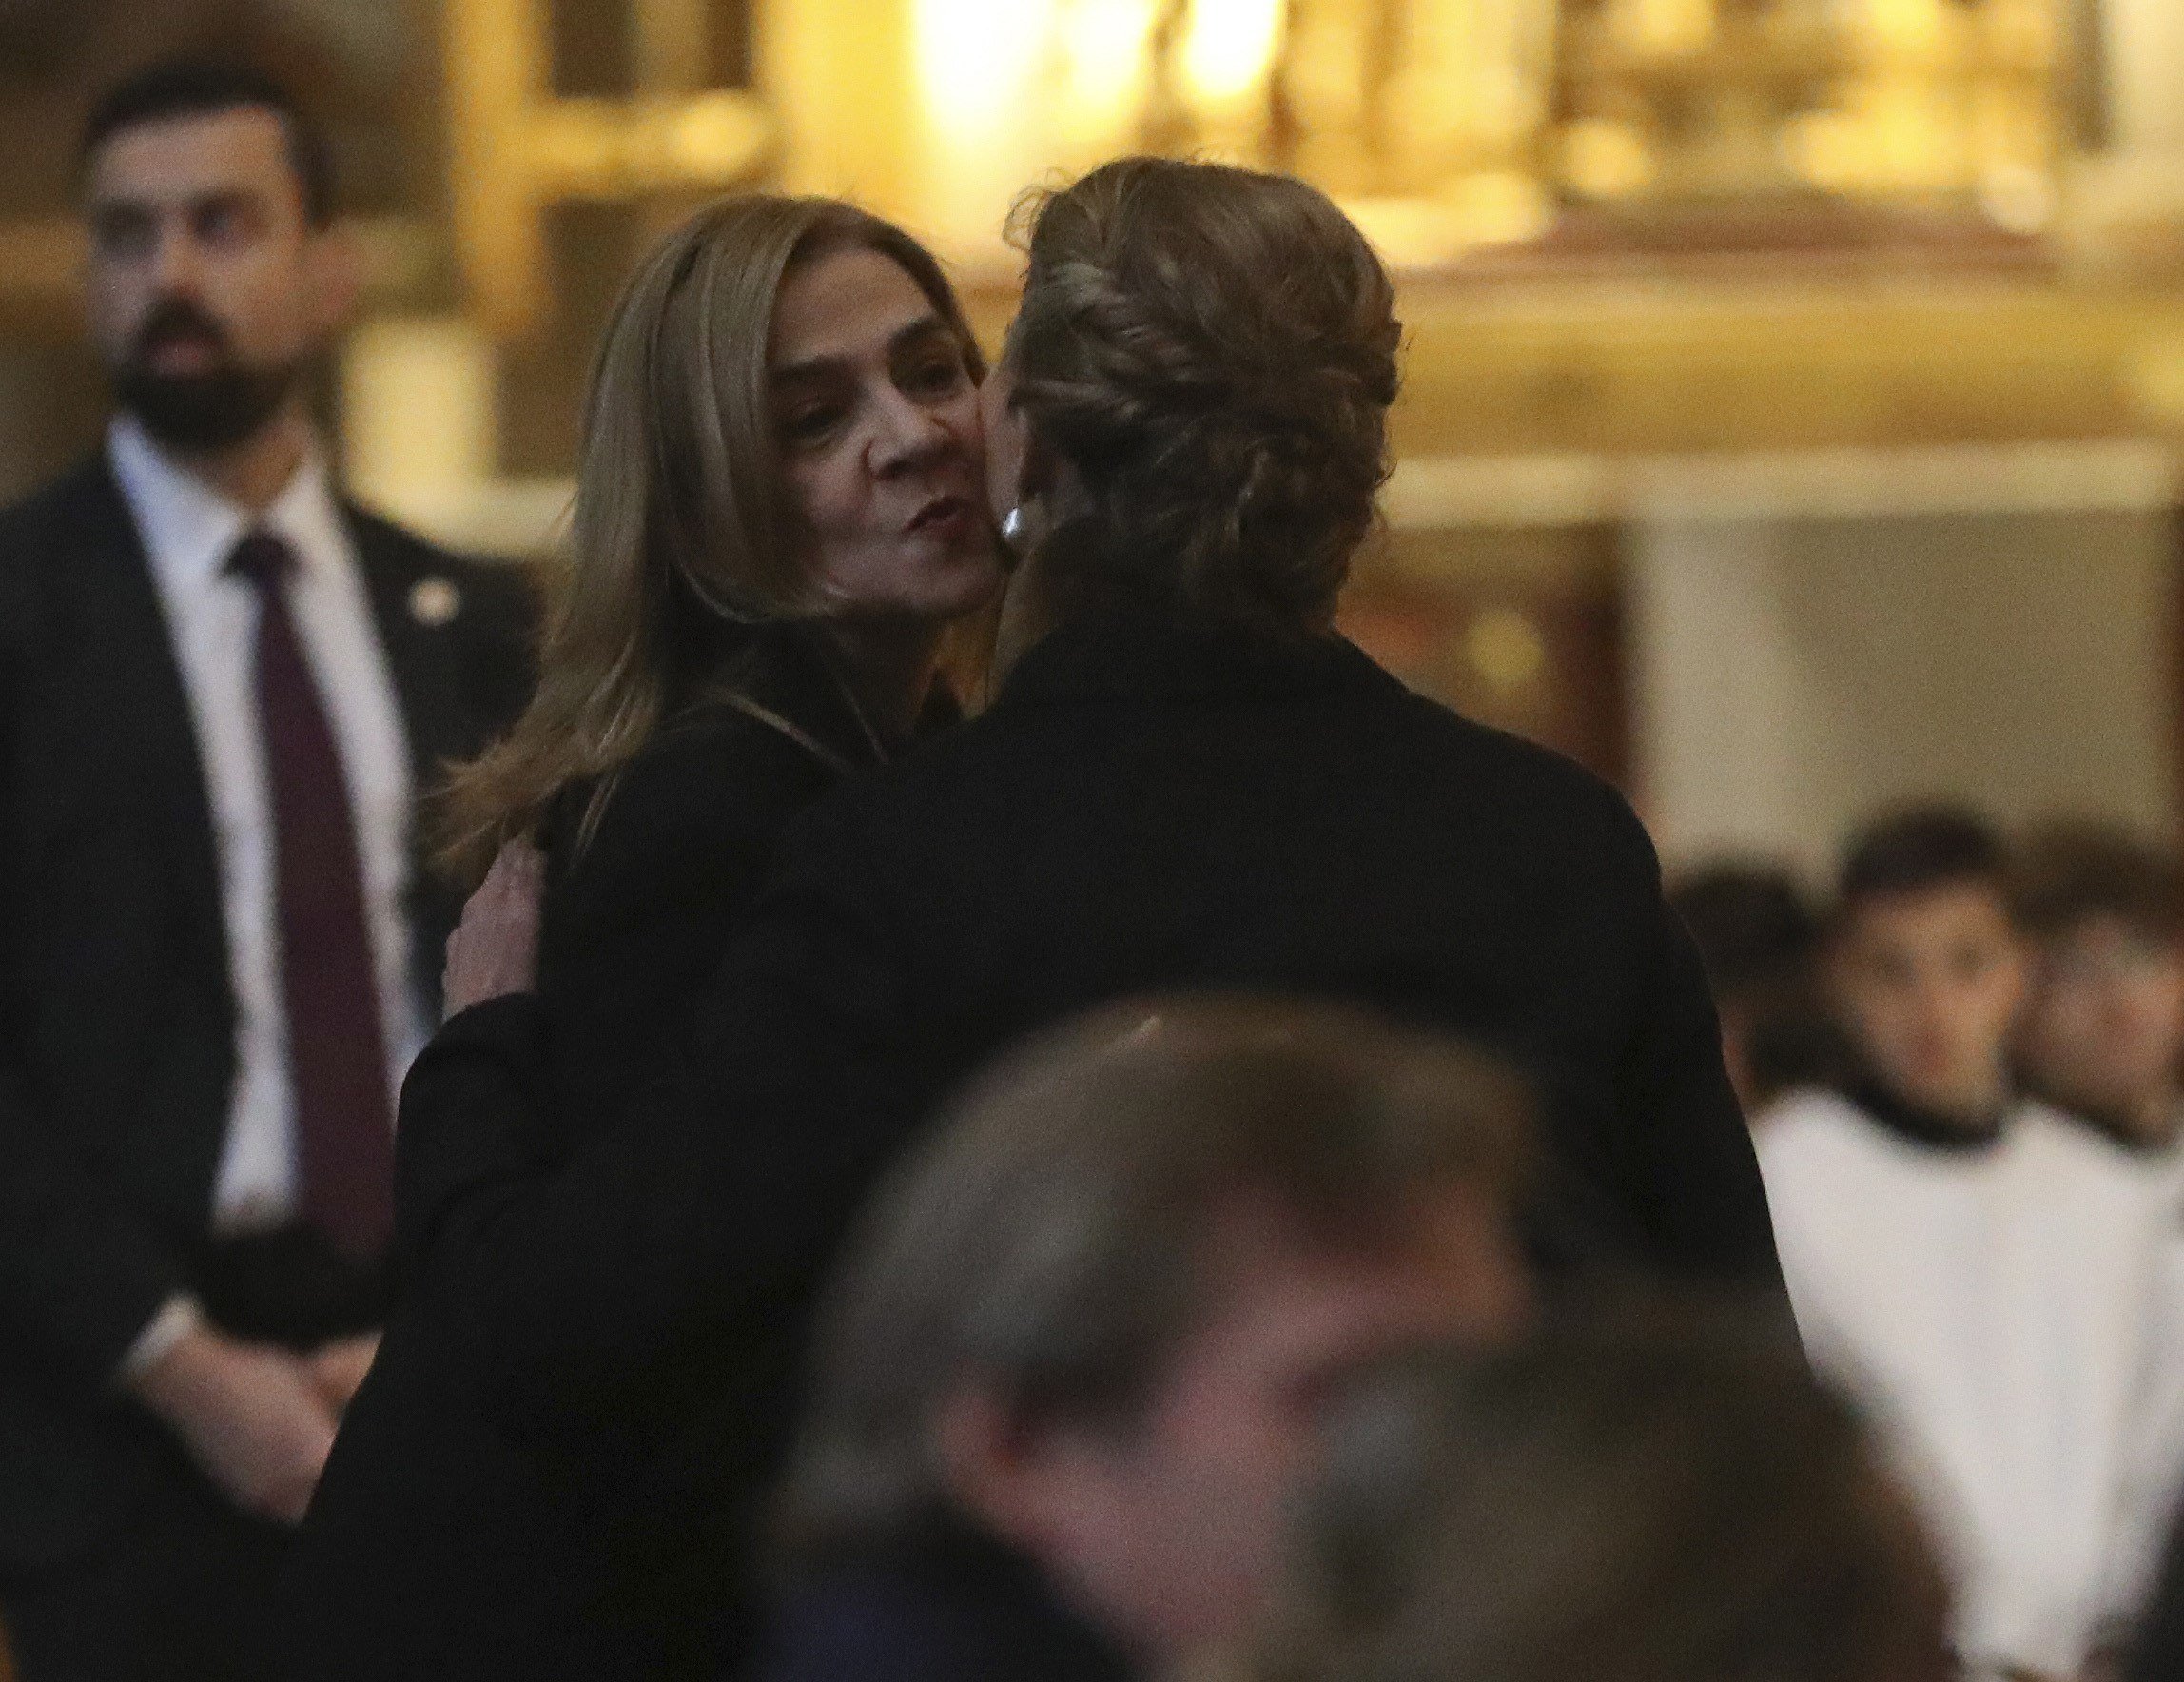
1013,526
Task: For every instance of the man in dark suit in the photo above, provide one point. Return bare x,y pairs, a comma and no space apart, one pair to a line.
220,689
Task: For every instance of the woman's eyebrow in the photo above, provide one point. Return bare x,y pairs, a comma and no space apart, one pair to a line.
925,326
904,338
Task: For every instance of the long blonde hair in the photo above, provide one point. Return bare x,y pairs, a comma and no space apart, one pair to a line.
683,536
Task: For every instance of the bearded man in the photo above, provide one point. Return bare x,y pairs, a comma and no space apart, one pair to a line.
220,689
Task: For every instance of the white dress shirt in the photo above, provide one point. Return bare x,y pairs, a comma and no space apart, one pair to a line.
1993,1309
189,530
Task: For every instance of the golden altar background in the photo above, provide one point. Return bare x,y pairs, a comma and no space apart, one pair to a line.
1887,296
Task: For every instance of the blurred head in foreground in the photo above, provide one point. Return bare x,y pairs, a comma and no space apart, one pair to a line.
1926,965
1759,941
2102,1034
1649,1504
1095,1321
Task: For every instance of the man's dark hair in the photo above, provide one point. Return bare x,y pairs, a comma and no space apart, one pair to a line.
1920,849
1759,938
200,88
2070,872
1750,922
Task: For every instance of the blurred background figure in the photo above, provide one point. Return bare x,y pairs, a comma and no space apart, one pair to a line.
2102,1034
220,689
1760,940
2103,1038
1074,1361
1976,1267
1639,1503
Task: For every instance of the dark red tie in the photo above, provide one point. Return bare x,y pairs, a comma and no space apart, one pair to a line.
337,1045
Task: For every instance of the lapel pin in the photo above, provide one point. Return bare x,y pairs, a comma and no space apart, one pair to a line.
433,601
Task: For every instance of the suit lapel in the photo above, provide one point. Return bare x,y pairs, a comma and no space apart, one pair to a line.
414,607
403,595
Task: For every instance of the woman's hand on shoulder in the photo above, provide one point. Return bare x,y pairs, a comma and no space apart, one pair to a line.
494,949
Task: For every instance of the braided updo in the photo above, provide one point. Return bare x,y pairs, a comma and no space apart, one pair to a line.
1213,351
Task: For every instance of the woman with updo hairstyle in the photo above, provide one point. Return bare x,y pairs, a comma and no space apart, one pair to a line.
779,518
1187,780
1205,359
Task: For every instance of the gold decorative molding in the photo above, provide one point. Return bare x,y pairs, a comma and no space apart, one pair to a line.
1646,363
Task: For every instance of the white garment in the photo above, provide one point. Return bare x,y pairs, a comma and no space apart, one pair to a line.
1992,1308
2155,1474
189,530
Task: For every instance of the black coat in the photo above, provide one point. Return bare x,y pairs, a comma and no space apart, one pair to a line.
1143,808
434,1548
117,1021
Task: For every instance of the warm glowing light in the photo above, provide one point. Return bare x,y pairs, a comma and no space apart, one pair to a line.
1231,46
1105,48
985,82
1911,28
2156,381
1825,148
1506,649
1501,205
1605,160
976,61
1667,26
2019,198
715,131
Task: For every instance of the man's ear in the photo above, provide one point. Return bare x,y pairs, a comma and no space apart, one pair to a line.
980,1447
335,260
993,1462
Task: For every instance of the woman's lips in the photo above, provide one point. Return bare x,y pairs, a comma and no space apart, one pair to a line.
953,518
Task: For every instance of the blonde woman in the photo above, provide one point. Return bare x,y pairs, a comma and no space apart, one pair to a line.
779,514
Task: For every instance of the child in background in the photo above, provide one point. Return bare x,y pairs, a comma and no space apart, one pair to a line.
2103,1037
1977,1269
2103,1030
1759,942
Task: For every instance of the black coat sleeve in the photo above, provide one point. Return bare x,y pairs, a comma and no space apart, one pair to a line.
81,1277
637,915
711,1205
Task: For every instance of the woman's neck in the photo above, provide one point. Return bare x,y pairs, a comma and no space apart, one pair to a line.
889,666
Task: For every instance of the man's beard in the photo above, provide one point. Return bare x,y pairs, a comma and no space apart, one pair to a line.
214,408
